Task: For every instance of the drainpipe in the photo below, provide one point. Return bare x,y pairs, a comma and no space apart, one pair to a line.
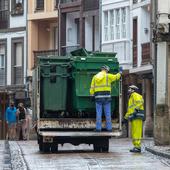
155,5
59,28
100,25
26,45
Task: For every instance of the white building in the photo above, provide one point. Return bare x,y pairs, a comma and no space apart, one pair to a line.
116,29
126,31
13,47
161,53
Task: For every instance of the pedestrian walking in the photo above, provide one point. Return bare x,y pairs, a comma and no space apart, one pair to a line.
11,121
28,122
135,114
21,121
100,91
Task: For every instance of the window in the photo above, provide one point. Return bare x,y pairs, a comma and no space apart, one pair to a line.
17,61
123,23
17,7
115,22
112,24
2,64
4,14
106,23
40,4
2,56
56,3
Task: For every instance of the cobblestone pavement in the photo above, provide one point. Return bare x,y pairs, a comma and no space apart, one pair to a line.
25,155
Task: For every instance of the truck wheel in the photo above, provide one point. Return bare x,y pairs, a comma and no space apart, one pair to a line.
54,148
45,147
105,149
105,146
40,147
97,148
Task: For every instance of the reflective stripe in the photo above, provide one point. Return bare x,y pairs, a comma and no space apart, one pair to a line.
106,85
103,96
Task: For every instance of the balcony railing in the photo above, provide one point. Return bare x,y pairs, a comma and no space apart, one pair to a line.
90,5
44,53
146,57
4,17
67,1
134,55
65,50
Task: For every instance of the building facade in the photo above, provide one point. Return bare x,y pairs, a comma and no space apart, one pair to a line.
42,32
116,30
161,53
78,25
13,56
142,62
126,31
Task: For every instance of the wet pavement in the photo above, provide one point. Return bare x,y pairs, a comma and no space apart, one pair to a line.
26,155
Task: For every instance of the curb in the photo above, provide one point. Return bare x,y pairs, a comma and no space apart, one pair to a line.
165,155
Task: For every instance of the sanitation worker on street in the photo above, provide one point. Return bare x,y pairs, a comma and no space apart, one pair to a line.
101,91
135,114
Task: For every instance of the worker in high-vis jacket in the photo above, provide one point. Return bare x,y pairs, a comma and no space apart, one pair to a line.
135,114
101,91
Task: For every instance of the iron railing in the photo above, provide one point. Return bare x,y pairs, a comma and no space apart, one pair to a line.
65,50
44,53
146,56
67,1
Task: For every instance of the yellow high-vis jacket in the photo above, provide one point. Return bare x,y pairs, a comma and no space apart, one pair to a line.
102,82
135,102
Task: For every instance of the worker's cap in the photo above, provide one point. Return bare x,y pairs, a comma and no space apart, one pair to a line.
133,87
105,67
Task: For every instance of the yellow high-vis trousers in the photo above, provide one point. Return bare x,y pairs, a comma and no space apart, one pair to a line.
136,132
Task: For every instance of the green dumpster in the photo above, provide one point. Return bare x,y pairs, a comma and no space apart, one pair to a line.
84,68
53,83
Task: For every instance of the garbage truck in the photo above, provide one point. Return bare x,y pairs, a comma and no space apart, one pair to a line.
61,100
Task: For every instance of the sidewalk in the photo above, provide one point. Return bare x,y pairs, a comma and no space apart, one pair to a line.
5,160
163,151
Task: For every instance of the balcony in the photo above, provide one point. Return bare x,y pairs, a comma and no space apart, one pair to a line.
4,17
146,57
68,1
135,55
18,9
44,53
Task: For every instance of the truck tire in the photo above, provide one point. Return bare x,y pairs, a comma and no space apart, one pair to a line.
40,147
45,147
105,146
97,148
54,148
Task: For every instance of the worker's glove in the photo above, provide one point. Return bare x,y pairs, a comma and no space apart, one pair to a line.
120,70
124,121
92,98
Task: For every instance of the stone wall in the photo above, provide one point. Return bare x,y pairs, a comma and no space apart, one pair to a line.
162,125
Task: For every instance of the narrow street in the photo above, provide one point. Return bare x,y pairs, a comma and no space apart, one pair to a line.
25,155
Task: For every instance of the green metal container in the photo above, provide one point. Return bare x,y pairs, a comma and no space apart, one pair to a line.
84,68
53,83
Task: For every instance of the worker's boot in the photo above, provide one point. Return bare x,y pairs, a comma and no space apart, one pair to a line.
135,150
